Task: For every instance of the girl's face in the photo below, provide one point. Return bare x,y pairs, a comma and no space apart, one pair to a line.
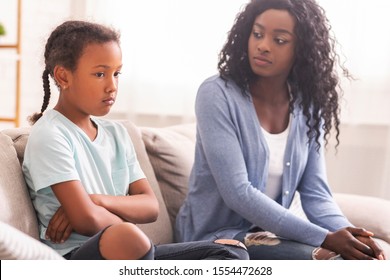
271,45
93,85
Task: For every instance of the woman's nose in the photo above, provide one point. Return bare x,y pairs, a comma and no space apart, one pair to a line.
263,45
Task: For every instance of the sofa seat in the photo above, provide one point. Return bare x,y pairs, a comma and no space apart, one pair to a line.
166,156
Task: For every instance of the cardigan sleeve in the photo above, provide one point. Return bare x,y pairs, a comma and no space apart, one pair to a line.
316,197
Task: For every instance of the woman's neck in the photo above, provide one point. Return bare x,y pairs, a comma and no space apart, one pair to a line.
270,91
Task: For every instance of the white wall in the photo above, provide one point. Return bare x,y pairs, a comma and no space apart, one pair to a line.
170,46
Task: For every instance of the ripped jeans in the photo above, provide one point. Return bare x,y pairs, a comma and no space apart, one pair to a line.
264,245
220,249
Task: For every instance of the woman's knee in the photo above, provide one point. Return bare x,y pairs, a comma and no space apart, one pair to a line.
236,249
124,241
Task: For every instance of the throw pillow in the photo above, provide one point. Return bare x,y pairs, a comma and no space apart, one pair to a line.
171,152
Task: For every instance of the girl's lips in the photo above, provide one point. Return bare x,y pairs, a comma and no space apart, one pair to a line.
109,101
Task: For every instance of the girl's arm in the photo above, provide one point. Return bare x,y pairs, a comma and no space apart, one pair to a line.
84,216
87,214
140,206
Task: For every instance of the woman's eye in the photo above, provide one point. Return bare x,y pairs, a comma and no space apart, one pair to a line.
99,75
257,35
280,41
116,74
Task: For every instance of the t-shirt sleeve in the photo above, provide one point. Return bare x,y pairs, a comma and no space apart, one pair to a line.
49,159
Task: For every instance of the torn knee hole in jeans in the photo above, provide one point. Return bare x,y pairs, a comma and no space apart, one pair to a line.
231,242
323,254
261,238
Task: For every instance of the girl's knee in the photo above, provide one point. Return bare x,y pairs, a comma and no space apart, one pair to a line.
124,241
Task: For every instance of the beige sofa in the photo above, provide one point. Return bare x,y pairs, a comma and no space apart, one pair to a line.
166,156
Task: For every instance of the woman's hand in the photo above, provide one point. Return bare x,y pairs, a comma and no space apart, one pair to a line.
59,228
353,244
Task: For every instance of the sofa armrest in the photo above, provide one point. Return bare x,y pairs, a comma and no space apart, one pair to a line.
369,212
16,245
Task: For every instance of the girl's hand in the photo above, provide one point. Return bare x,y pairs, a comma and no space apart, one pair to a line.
59,228
354,244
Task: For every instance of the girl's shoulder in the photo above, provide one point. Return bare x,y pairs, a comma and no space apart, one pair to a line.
114,127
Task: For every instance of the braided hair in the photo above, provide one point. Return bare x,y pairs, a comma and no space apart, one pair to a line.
65,46
313,78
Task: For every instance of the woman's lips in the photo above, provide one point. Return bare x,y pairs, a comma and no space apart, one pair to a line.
262,61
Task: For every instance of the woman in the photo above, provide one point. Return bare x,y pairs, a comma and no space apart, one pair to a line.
261,126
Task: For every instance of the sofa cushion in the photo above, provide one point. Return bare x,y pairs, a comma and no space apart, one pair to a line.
15,205
373,214
19,136
171,152
16,245
161,231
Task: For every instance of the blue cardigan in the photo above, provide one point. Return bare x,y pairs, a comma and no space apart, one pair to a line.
228,178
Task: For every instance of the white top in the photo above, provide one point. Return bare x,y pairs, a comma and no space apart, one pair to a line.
277,146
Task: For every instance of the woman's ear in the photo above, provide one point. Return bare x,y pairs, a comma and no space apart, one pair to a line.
61,77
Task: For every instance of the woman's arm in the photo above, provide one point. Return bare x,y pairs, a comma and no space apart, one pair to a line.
354,244
320,207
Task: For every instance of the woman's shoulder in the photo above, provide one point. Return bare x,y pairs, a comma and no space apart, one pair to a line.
219,82
216,86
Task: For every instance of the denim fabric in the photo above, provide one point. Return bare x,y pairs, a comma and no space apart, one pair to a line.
202,250
88,251
199,250
264,245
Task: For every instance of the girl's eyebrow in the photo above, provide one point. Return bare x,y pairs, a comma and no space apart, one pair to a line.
280,30
106,66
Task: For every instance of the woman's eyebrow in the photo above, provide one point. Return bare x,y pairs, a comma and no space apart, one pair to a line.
279,30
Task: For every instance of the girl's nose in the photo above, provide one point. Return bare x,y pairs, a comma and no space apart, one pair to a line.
112,85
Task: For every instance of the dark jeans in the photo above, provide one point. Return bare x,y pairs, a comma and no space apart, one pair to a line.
202,250
264,245
199,250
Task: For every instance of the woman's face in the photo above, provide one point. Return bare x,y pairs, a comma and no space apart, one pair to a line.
271,44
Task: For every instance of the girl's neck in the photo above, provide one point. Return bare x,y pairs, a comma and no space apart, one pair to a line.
83,121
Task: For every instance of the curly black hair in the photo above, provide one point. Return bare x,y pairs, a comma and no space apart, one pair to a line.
65,46
313,79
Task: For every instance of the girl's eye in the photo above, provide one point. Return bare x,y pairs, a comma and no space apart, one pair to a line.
116,74
99,75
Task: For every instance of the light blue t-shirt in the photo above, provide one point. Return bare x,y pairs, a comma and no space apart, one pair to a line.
58,150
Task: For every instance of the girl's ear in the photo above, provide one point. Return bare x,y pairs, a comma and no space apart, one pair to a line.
61,76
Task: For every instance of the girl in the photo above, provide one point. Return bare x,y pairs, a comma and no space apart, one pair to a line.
86,183
260,129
